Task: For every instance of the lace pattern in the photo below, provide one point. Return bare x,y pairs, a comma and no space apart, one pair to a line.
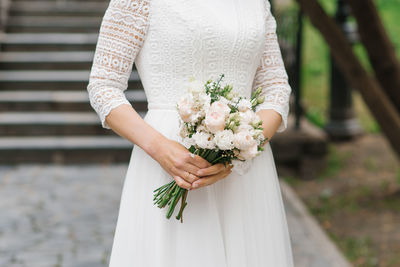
121,35
178,39
271,74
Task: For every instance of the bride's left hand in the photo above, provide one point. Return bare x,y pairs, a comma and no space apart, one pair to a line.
211,175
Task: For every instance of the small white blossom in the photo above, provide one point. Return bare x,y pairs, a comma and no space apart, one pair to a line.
244,105
224,139
204,140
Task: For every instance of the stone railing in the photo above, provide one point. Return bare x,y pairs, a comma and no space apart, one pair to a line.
4,6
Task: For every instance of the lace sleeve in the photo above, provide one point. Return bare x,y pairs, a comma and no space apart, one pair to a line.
271,75
121,35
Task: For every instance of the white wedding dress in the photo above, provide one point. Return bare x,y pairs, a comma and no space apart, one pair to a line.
240,220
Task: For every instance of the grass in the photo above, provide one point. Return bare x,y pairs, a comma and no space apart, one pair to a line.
335,161
359,250
315,67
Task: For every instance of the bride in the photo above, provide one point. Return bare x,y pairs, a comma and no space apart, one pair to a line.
232,220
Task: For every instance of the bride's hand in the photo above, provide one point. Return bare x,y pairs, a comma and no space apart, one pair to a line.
211,175
178,162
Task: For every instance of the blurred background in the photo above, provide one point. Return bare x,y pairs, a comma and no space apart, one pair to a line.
61,174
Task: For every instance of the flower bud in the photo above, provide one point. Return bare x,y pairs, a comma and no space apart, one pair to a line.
260,99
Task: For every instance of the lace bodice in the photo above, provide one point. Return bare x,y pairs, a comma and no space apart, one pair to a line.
171,41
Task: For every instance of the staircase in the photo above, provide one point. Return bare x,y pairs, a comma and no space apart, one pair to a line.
45,59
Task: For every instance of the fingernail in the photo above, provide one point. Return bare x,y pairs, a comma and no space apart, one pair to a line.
195,185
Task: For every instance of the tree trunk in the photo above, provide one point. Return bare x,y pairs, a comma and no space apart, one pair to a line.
380,105
380,49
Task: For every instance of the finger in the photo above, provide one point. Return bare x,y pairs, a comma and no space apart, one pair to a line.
214,169
181,182
183,164
187,176
199,161
190,168
204,181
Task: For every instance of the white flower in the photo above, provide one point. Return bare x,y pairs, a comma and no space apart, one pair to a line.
183,132
195,87
224,139
204,102
215,120
249,153
246,117
185,108
204,140
224,100
244,105
188,142
256,121
259,135
244,140
220,105
245,127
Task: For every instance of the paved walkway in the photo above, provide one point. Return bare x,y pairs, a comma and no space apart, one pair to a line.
64,216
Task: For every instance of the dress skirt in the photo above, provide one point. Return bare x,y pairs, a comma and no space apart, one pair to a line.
237,222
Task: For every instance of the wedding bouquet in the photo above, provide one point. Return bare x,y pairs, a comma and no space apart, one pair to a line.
218,125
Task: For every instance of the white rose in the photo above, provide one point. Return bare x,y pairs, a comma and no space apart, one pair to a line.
245,127
188,142
215,120
224,139
259,135
185,108
246,117
195,87
204,140
249,153
244,105
244,140
220,106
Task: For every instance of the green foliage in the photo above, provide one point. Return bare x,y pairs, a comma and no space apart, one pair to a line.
315,67
358,249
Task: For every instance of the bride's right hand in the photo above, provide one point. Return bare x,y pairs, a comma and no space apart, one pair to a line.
176,159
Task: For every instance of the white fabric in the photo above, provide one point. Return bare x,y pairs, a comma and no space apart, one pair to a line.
236,222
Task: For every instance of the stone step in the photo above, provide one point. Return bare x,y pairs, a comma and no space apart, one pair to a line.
48,41
64,149
70,8
55,60
51,123
53,24
59,100
53,80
